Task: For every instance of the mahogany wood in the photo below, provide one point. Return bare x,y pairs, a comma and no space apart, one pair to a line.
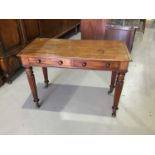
118,90
32,83
31,27
84,54
56,27
15,34
45,73
123,33
113,80
99,29
57,49
11,41
93,28
1,78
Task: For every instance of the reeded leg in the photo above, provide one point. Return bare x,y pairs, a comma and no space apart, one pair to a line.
32,83
113,79
45,73
118,90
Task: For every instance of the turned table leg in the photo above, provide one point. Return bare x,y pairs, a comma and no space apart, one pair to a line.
113,79
45,73
32,83
118,90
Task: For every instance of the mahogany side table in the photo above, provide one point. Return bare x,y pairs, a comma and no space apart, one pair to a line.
78,54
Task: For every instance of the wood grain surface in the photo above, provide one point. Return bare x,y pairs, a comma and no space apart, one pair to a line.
77,49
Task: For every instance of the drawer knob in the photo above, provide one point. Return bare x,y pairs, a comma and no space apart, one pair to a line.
60,62
38,61
107,65
84,64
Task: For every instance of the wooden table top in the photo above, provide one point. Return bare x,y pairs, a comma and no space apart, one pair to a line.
82,49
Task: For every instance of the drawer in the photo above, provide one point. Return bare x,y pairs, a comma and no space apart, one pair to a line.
55,62
99,65
37,61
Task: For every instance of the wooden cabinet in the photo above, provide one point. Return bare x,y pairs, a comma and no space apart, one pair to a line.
50,28
11,42
1,78
123,33
31,27
10,34
93,28
56,27
16,34
100,29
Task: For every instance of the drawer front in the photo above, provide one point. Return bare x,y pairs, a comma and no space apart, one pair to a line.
83,64
99,65
55,62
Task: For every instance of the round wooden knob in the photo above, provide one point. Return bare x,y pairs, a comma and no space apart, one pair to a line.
60,62
38,61
84,64
107,65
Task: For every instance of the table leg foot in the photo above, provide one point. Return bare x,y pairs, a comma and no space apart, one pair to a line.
38,105
46,84
36,101
32,83
114,114
114,111
110,91
118,90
